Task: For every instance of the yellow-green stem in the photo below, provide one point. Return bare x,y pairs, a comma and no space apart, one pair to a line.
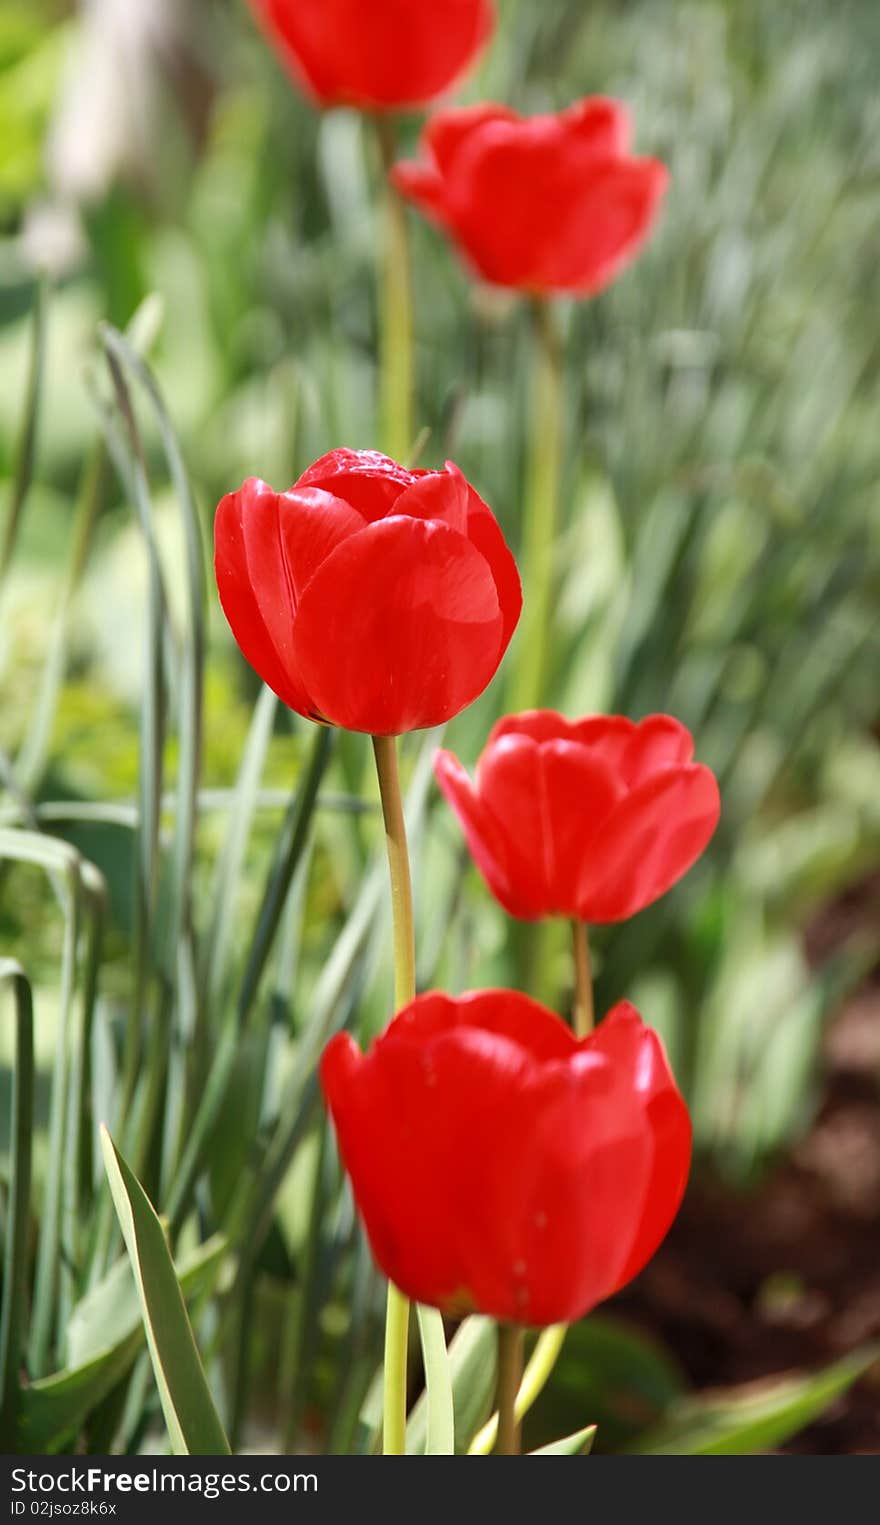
583,1005
397,1314
537,1373
541,513
510,1365
396,320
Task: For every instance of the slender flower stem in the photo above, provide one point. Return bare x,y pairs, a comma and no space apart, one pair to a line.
385,749
537,1373
510,1365
541,512
396,336
584,1017
397,1314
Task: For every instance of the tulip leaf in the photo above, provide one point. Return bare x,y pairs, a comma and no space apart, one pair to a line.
14,1298
54,1408
578,1444
440,1424
472,1357
104,1336
754,1418
194,1426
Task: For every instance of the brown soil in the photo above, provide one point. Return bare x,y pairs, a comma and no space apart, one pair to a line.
788,1275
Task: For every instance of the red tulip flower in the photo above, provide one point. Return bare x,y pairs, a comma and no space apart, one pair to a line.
543,204
590,819
499,1163
381,55
368,596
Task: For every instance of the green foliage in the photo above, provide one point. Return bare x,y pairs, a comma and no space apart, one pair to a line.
193,882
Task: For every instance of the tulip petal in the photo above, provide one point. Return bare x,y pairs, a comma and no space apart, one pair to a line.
578,1214
424,187
399,628
404,57
599,123
657,742
447,132
510,785
541,725
499,1164
259,607
366,479
485,839
440,495
606,225
503,1013
484,532
637,1051
648,842
579,790
311,524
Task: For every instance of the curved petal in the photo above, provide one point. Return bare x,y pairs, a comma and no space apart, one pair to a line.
424,186
441,495
541,725
484,532
500,1013
579,793
649,841
595,1152
254,591
637,1051
658,741
507,208
606,224
599,123
399,628
485,840
510,786
406,56
311,525
366,479
447,131
499,1164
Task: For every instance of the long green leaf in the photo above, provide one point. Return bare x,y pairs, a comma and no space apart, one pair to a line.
193,1423
440,1424
578,1444
24,464
15,1265
755,1418
104,1336
472,1360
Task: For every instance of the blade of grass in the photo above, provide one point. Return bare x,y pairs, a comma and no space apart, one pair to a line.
15,1264
193,1423
23,470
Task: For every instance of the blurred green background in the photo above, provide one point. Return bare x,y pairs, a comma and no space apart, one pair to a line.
719,558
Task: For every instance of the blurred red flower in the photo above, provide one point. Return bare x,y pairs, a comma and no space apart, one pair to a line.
368,596
543,204
384,55
592,819
503,1165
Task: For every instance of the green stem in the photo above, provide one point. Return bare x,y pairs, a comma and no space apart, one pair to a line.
396,337
541,513
510,1365
537,1374
385,749
584,1017
397,1316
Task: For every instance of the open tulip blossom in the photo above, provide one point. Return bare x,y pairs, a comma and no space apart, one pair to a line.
384,55
590,819
544,204
501,1164
368,596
